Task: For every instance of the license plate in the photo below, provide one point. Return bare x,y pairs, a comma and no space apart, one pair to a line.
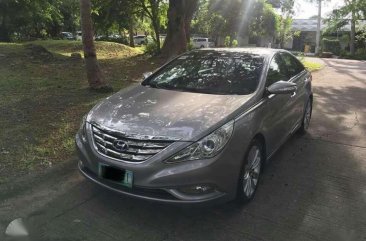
120,176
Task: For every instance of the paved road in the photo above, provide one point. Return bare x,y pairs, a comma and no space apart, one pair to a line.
313,189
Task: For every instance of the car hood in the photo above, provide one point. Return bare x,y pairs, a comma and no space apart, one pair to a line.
165,113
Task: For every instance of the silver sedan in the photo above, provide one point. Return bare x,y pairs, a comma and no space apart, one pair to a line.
200,128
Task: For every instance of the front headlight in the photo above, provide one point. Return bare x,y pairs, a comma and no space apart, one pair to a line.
207,147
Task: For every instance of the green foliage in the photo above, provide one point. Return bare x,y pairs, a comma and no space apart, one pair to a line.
285,31
227,41
235,43
264,20
24,19
110,16
151,48
208,22
235,18
361,37
331,45
27,20
351,12
359,55
117,16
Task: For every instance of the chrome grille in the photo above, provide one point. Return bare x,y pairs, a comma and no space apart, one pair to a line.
139,147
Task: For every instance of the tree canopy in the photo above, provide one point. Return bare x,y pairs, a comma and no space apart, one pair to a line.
26,19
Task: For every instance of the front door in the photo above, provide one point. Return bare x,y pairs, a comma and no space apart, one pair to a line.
277,118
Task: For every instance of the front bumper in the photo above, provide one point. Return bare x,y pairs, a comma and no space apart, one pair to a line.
151,194
157,181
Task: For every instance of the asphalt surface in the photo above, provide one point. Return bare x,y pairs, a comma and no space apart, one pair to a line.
314,188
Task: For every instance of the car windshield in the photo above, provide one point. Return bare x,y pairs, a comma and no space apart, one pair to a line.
210,72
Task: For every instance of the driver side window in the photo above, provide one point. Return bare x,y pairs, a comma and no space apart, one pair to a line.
293,65
276,71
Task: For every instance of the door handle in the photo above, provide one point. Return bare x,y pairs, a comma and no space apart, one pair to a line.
293,95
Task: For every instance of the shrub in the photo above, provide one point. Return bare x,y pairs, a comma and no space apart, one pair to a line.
114,40
235,43
361,51
230,42
360,55
227,41
151,48
331,45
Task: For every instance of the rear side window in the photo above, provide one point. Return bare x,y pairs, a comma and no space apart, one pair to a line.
293,65
276,71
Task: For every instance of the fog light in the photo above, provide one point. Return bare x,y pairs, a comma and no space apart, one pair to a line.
81,164
83,134
197,189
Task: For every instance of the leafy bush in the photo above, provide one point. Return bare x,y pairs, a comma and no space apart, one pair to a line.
227,41
230,42
235,43
331,45
361,51
120,40
359,55
151,48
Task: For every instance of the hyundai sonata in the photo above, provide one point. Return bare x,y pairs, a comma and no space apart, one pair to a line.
198,129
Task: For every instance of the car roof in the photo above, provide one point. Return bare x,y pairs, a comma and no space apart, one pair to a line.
266,52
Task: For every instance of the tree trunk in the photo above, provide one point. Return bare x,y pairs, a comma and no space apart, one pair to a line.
317,47
156,22
4,32
191,7
94,74
130,32
157,36
179,21
353,32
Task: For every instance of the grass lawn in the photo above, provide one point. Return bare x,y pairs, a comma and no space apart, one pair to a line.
43,98
312,66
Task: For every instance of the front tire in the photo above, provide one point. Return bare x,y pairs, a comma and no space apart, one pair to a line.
306,117
250,173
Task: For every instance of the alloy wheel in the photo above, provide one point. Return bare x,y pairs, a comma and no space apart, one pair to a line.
252,171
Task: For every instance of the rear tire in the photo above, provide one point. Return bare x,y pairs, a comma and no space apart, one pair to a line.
250,173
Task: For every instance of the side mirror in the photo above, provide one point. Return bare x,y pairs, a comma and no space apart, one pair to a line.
146,75
282,87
